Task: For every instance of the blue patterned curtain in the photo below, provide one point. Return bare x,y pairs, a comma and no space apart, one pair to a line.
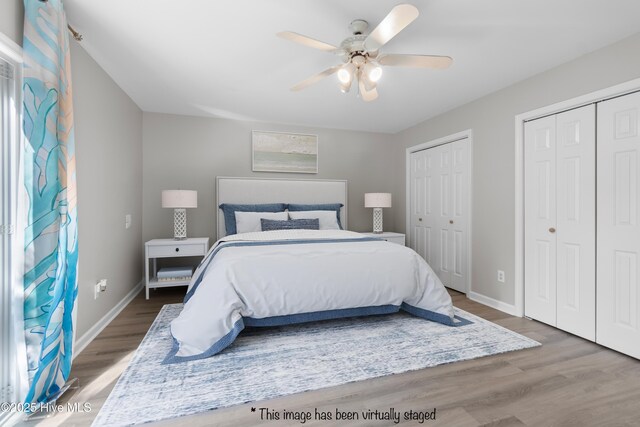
51,236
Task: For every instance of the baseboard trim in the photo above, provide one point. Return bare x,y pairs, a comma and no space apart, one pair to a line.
87,337
493,303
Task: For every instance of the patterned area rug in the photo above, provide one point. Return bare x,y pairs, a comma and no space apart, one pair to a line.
269,362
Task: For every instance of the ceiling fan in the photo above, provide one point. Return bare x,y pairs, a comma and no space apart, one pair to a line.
361,53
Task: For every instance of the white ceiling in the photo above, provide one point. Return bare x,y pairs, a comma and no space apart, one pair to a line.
222,59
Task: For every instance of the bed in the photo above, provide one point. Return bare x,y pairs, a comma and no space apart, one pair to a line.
285,276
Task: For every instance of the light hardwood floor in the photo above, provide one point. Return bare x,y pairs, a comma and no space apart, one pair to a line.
566,382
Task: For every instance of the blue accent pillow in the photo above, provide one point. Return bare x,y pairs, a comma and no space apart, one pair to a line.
229,211
294,207
292,224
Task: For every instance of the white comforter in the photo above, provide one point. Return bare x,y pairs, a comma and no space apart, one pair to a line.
282,273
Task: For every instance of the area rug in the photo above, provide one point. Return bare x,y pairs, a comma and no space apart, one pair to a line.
270,362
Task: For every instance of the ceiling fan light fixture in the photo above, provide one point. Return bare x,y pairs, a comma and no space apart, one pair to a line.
374,72
360,55
358,60
366,94
345,87
345,74
368,84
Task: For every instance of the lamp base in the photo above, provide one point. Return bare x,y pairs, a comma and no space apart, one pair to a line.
377,220
179,224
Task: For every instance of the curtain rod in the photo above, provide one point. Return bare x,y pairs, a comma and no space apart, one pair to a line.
76,35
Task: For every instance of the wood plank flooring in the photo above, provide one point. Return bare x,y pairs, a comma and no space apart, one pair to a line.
566,382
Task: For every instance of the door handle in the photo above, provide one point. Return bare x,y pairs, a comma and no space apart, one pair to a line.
552,230
450,221
419,219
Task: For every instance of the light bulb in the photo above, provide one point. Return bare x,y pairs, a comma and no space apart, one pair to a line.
344,76
373,72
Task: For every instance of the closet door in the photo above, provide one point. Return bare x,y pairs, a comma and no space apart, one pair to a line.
458,222
421,203
560,220
540,219
442,259
576,221
618,224
440,211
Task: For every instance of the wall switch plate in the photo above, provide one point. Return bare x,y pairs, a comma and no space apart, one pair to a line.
127,221
99,287
500,276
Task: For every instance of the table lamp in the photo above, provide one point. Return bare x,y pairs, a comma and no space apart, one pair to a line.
377,201
179,200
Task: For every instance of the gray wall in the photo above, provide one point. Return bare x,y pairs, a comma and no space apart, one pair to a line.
492,120
189,152
11,19
108,133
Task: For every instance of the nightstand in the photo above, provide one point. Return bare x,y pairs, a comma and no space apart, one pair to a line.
389,236
170,248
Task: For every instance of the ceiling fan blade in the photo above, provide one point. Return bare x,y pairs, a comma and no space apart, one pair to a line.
416,61
315,78
367,95
307,41
399,17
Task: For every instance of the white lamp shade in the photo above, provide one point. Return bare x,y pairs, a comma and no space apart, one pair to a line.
377,200
179,199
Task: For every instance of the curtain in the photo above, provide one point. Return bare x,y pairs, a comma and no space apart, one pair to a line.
50,210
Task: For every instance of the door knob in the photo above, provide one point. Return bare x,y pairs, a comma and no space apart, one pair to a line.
419,219
450,221
552,230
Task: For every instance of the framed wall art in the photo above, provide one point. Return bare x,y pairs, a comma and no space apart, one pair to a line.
284,152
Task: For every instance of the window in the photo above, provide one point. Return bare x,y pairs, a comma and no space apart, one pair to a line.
10,335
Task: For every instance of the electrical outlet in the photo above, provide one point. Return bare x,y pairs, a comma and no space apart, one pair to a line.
99,287
127,221
500,276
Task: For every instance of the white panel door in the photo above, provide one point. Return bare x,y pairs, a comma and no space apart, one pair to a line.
439,204
618,184
458,221
421,203
442,251
576,221
540,219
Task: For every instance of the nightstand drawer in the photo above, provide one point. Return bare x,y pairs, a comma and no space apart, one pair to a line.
179,249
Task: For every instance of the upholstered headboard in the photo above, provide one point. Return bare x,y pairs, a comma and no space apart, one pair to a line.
278,190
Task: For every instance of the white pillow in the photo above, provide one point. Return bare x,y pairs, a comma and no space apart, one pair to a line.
248,222
328,219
